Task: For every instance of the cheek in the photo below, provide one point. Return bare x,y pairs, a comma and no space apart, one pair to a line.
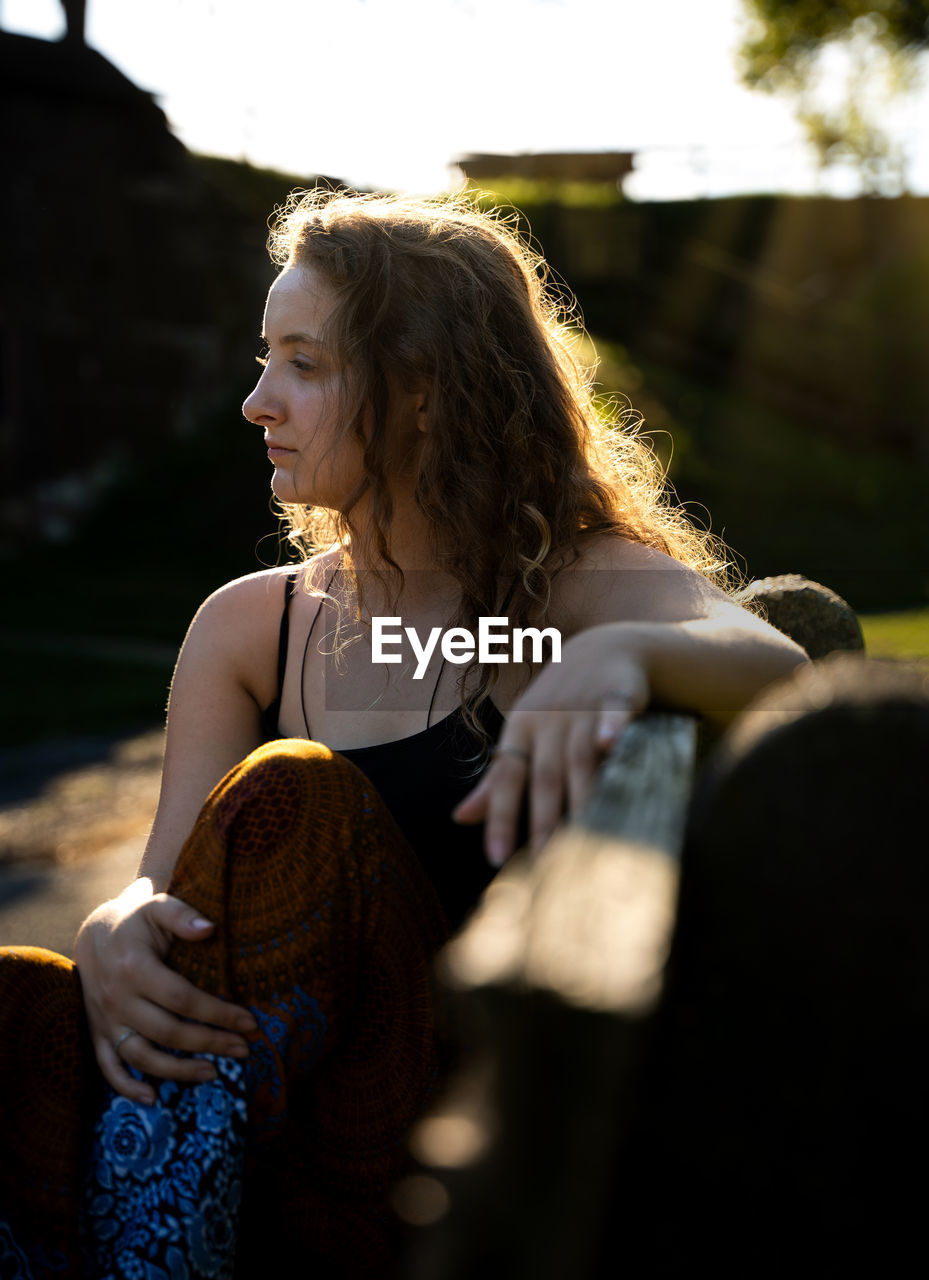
313,417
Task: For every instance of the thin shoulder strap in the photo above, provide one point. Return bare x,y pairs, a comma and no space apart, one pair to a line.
435,690
290,586
306,649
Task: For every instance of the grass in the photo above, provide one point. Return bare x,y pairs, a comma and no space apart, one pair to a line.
897,635
528,192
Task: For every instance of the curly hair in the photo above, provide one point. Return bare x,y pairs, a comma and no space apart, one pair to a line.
520,461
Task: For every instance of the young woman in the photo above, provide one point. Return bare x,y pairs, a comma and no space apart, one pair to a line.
258,1000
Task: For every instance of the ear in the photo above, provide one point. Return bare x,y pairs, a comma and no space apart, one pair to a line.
422,415
410,405
421,394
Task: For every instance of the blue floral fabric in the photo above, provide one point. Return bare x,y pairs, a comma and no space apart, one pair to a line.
14,1264
164,1182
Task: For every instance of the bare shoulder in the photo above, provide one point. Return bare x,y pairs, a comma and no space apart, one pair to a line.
238,625
251,603
616,580
236,629
245,605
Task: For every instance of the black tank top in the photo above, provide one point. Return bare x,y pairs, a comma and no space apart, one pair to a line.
421,778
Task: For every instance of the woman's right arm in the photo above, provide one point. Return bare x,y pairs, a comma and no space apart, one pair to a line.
225,673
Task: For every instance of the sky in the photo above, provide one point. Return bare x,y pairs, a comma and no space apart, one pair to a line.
388,92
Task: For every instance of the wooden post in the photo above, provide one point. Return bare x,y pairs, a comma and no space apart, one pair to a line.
782,1122
560,969
75,16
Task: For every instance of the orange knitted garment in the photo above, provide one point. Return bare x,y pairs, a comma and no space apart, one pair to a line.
312,889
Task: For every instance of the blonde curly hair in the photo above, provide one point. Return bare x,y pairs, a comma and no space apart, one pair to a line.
520,461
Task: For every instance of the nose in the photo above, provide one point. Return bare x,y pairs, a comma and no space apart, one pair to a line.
260,407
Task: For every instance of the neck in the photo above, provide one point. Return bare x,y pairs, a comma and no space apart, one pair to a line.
411,540
427,587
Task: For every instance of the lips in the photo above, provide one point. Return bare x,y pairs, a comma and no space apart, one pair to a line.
276,450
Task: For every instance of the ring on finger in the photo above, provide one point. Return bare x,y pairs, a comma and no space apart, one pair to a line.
518,752
126,1035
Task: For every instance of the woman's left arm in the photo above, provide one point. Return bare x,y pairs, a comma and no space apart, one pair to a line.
711,665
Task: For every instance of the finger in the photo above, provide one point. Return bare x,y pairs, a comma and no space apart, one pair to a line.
546,793
616,712
115,1073
473,808
583,758
154,1061
162,987
177,917
506,783
162,1028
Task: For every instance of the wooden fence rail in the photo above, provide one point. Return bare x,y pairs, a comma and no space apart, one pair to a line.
564,999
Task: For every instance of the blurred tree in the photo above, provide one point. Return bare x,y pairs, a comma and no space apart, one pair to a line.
842,61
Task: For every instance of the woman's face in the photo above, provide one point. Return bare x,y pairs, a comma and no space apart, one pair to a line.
297,397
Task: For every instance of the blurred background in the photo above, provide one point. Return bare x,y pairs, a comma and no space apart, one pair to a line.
737,191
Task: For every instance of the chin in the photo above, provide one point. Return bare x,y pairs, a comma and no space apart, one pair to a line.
320,491
284,489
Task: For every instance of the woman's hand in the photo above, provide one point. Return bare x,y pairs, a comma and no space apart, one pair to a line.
127,989
556,736
711,666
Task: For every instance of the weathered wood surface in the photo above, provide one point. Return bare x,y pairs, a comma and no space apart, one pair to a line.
549,923
558,974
